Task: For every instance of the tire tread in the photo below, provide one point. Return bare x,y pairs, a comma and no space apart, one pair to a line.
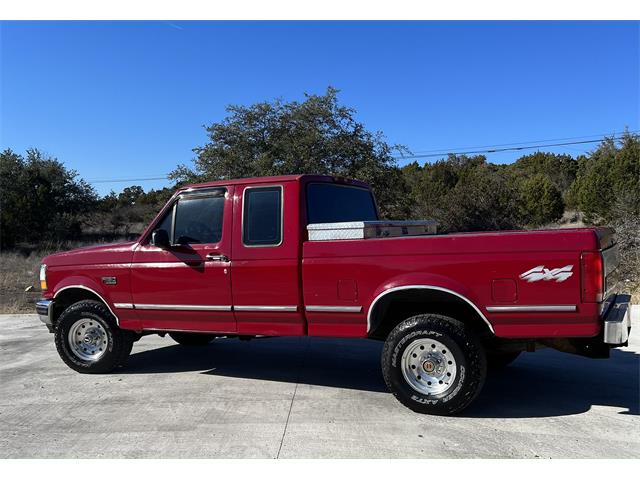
122,339
466,340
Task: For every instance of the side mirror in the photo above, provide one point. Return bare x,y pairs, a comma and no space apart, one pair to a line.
160,238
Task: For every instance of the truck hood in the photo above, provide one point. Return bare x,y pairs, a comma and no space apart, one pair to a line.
100,254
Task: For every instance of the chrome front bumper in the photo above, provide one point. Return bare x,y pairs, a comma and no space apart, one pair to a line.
617,321
44,309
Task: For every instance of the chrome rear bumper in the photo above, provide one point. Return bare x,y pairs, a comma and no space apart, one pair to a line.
44,309
617,321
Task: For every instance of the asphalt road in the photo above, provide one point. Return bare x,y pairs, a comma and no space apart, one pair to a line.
300,397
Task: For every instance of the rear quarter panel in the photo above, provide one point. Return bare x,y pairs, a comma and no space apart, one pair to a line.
468,264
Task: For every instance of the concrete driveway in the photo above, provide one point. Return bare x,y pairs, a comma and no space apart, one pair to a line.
300,397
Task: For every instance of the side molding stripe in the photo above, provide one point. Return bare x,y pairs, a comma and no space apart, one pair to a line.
265,308
333,308
209,308
123,305
532,308
152,306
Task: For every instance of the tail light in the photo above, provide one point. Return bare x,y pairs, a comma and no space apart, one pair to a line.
592,277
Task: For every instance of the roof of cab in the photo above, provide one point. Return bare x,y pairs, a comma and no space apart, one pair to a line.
276,179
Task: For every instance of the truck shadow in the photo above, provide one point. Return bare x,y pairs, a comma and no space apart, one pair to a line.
340,363
550,383
542,384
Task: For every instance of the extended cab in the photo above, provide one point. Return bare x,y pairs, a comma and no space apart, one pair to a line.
308,255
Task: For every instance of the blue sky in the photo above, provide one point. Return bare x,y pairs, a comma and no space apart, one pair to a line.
129,99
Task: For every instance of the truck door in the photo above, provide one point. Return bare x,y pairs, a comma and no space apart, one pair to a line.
187,285
265,268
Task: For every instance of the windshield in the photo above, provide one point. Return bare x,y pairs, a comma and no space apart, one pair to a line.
329,203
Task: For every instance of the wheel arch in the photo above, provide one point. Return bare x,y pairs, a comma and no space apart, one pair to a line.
396,303
76,292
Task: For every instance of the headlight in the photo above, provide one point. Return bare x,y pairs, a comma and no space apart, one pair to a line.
43,277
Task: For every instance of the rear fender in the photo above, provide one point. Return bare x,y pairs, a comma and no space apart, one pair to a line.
420,281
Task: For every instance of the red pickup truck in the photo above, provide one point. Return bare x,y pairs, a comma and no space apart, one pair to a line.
308,255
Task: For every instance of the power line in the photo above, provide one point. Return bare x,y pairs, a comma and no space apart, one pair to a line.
582,137
123,180
497,150
506,147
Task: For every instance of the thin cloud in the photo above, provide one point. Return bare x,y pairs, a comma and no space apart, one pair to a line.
173,25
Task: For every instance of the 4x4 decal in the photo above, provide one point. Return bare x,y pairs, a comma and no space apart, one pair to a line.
542,273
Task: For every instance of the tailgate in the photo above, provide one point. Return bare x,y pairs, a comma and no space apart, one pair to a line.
610,261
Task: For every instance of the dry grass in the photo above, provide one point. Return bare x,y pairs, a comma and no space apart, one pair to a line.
19,285
19,270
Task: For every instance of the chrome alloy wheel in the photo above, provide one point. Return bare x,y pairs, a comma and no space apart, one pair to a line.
428,366
88,339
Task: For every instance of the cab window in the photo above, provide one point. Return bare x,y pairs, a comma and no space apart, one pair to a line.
195,218
328,203
262,216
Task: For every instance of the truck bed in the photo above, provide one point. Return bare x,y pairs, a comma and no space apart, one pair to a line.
486,268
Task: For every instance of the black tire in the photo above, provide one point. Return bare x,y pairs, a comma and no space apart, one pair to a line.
462,343
188,339
498,361
119,342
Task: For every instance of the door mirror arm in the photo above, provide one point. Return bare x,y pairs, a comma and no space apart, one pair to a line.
160,239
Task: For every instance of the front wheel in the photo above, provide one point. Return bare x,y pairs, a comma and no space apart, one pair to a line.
434,364
89,340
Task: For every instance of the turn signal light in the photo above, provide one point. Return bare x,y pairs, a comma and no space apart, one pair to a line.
43,277
592,277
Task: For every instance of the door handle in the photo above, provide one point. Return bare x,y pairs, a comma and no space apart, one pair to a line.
215,257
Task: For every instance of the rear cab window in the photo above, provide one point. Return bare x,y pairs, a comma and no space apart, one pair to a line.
329,203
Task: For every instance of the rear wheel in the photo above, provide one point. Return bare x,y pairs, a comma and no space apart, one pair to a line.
434,364
189,339
89,340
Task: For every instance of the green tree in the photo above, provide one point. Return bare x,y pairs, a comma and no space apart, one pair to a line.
484,198
128,212
464,194
156,198
560,170
40,199
130,195
317,135
608,177
541,201
607,190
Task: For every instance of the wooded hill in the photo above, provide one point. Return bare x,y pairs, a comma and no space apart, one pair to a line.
43,203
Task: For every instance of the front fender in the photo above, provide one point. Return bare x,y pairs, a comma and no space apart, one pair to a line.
80,281
85,283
